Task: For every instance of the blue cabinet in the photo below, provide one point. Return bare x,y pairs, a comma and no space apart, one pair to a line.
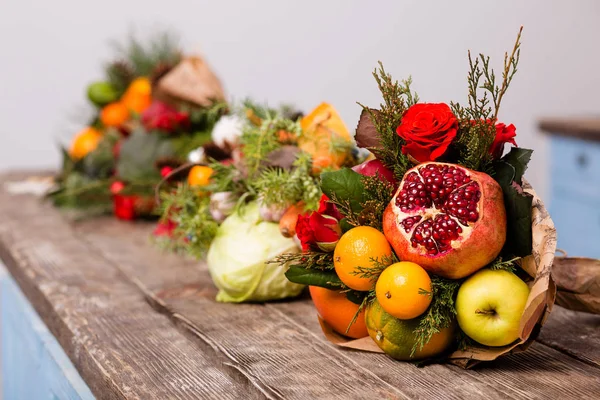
575,194
34,365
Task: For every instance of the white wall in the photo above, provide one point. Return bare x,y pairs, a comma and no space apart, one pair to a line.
300,52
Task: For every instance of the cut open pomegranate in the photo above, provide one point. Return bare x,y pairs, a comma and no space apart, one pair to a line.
447,218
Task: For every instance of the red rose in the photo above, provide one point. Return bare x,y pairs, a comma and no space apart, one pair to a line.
504,134
164,117
317,231
428,129
327,208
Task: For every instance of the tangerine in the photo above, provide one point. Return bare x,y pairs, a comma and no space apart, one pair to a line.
335,309
397,339
114,114
199,175
355,253
138,95
85,142
400,290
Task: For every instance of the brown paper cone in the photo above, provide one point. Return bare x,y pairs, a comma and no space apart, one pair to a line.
540,301
192,81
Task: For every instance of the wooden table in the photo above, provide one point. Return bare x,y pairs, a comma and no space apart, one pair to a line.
137,323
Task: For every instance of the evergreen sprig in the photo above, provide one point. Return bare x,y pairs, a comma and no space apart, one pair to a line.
479,69
195,228
259,141
281,188
473,142
143,57
508,265
440,314
315,260
397,98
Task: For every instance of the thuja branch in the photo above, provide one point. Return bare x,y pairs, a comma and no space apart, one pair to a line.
510,68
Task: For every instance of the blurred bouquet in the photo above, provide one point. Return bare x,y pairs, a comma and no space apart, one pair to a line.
152,109
240,205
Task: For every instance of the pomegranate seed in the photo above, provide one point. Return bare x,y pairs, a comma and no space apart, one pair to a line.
447,189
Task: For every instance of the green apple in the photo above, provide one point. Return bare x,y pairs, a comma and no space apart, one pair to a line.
489,306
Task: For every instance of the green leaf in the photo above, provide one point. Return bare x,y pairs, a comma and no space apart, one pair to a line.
356,297
301,275
518,214
518,158
139,153
509,172
344,184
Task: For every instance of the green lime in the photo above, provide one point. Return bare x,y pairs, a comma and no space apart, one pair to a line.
396,336
102,93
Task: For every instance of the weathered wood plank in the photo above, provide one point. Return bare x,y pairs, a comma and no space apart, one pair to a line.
119,344
280,343
524,375
574,333
260,343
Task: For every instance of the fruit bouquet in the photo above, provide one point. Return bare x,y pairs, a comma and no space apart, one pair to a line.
245,189
152,109
437,249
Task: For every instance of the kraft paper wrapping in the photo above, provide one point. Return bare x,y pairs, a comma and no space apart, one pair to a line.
578,281
192,81
539,304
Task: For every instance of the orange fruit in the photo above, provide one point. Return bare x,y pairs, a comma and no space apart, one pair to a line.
396,337
138,95
356,250
114,114
325,137
85,142
335,309
399,290
199,175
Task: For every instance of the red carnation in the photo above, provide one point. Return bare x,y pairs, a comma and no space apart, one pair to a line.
164,117
317,231
428,129
504,134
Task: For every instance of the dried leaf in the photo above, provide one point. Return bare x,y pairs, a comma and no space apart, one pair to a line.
283,157
366,133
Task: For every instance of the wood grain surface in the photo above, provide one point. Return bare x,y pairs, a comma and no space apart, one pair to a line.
139,323
286,335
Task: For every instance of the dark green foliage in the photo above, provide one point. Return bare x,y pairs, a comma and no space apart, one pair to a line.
139,154
143,58
362,200
509,172
472,144
305,276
